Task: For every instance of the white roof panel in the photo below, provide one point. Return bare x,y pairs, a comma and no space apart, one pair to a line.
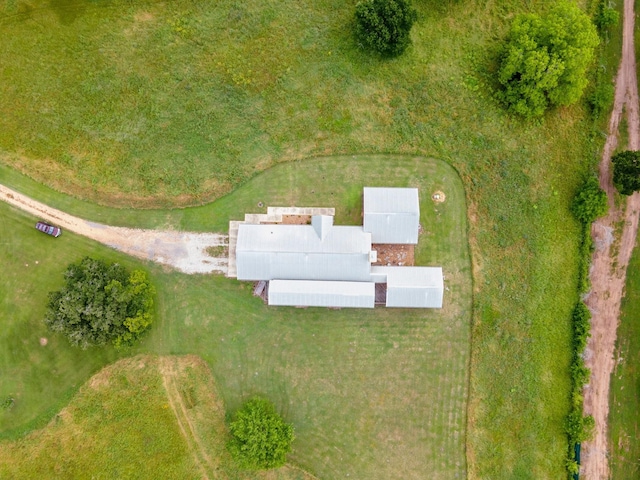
322,294
391,200
392,215
297,252
412,287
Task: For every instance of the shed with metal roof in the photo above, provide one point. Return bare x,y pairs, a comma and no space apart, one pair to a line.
392,215
320,251
322,293
411,287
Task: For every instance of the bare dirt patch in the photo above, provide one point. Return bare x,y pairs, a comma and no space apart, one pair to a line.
394,255
184,251
296,219
438,196
608,272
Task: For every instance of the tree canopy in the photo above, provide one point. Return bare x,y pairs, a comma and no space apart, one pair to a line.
590,202
545,59
101,303
260,437
384,26
626,171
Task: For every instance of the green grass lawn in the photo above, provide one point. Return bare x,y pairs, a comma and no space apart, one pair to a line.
165,104
123,423
624,413
372,394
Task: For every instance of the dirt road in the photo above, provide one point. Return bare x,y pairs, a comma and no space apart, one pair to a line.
610,260
183,251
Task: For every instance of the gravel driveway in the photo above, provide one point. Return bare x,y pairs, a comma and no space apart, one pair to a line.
183,251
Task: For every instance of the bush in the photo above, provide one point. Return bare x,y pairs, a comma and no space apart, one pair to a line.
260,438
601,98
590,202
606,16
578,427
626,171
581,327
384,25
544,60
101,303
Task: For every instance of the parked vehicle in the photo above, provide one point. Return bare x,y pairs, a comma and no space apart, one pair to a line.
49,229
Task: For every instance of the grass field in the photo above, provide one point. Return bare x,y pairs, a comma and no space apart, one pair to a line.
124,424
624,414
156,104
371,394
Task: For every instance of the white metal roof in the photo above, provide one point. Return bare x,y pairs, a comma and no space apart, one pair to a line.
391,200
412,287
298,252
321,293
392,215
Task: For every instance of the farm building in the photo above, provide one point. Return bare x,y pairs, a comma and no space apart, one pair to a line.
392,215
326,265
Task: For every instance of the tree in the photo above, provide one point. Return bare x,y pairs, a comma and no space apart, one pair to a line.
260,438
626,171
101,303
590,202
544,60
384,25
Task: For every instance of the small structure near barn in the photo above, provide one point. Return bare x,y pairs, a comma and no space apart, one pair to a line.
327,265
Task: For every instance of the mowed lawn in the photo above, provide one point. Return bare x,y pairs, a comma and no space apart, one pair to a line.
166,104
123,422
372,394
624,413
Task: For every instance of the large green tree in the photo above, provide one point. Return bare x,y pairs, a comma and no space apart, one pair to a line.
260,437
101,303
384,25
626,171
545,59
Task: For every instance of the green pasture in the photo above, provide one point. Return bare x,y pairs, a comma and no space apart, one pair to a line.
166,104
624,398
372,394
123,423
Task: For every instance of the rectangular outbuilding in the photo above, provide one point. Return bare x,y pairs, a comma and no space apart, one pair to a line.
392,215
320,251
411,287
321,293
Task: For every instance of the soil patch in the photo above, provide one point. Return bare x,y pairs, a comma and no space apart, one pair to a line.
394,255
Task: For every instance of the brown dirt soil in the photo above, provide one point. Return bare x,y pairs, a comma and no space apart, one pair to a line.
610,260
389,254
184,251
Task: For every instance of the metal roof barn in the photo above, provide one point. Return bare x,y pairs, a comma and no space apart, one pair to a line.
392,215
411,287
303,252
321,293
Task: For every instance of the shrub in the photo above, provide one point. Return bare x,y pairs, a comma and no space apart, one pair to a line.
544,60
606,16
581,327
101,303
260,438
578,427
384,25
626,171
601,98
590,202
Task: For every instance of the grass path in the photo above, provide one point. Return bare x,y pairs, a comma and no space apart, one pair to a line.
167,368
